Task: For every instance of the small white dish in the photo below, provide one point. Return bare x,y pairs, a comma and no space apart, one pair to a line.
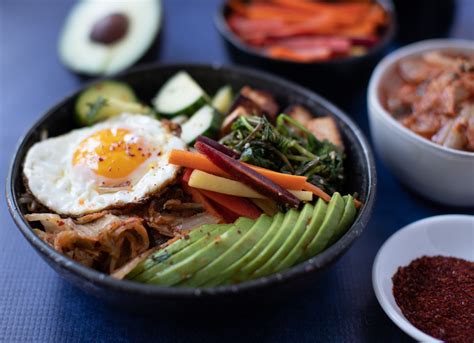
438,173
447,235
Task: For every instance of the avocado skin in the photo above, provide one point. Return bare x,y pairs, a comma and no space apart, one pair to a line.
288,223
238,250
296,230
328,227
312,228
200,258
347,219
225,277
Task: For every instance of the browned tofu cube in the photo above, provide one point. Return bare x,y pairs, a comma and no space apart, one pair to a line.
263,99
299,113
325,128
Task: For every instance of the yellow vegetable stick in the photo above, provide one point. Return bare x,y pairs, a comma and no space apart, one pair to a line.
218,184
302,195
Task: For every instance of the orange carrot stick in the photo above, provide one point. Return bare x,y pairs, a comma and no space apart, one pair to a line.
200,162
323,195
268,11
317,54
313,7
317,191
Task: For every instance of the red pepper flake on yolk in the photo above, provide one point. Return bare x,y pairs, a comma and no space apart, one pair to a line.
117,150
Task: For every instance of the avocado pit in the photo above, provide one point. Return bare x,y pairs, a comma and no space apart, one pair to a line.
110,29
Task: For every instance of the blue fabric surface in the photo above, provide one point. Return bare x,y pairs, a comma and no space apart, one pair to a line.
37,306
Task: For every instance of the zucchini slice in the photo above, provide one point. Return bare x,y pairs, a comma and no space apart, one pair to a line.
207,122
106,99
223,98
179,95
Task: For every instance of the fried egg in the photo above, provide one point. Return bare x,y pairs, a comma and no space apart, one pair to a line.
117,162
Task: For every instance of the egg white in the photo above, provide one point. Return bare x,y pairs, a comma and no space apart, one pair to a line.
66,189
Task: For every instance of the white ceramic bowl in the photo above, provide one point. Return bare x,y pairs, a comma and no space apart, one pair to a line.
448,235
441,174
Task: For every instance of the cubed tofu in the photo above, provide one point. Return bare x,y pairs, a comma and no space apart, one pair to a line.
299,113
263,99
236,113
325,128
248,105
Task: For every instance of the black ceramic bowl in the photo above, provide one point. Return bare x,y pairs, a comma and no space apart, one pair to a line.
146,81
333,78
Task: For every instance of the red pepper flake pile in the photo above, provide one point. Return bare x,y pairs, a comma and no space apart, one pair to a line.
436,294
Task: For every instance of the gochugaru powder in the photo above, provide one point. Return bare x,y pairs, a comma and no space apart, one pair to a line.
436,294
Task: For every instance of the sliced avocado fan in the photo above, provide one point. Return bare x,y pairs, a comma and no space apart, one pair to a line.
183,269
222,254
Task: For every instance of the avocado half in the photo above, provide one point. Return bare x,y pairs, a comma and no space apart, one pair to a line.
103,37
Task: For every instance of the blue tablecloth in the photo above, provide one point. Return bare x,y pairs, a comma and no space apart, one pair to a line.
36,305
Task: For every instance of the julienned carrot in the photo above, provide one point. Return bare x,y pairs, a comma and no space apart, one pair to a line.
287,181
194,160
335,9
269,11
316,191
200,162
291,18
323,195
201,199
240,206
318,54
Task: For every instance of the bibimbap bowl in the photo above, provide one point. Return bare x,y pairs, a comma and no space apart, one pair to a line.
146,80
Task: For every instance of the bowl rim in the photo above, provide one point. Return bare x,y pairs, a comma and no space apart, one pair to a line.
223,28
400,320
101,279
373,97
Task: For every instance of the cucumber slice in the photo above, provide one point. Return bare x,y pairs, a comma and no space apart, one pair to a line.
181,119
106,99
206,122
105,108
107,88
179,95
223,98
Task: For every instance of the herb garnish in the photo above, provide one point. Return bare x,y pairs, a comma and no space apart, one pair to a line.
94,109
287,147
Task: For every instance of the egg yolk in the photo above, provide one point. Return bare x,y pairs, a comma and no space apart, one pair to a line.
111,153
